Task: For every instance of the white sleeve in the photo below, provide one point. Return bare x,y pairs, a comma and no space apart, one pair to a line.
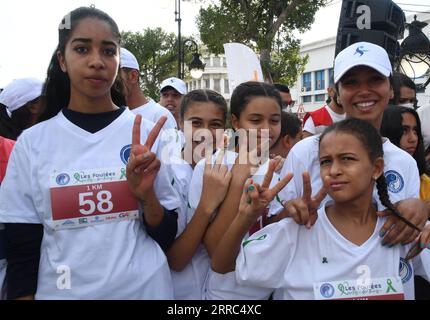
171,122
264,257
309,126
17,189
294,188
421,265
166,193
196,185
413,184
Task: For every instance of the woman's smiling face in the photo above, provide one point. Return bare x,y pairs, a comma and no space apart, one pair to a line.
364,94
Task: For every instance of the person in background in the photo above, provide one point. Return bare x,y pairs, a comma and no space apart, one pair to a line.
402,126
172,91
136,100
21,104
424,114
6,146
291,133
284,91
405,91
204,115
316,121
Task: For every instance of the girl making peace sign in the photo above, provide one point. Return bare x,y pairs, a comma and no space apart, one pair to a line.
341,257
70,174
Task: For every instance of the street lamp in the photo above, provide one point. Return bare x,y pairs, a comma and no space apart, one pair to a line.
196,66
415,54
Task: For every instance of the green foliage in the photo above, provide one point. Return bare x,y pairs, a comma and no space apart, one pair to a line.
157,54
256,23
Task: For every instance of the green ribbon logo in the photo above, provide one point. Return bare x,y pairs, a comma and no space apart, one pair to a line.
264,236
122,174
390,286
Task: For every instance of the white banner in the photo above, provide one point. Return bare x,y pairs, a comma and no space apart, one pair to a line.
242,64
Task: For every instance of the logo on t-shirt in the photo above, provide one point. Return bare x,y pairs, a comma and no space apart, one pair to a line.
394,181
62,179
405,270
327,290
125,153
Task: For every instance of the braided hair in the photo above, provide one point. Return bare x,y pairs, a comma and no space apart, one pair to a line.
372,141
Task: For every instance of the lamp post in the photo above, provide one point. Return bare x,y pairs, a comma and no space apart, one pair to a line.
196,66
179,21
415,54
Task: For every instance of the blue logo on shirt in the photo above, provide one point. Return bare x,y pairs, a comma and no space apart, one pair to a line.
327,290
62,179
394,181
125,154
405,270
360,50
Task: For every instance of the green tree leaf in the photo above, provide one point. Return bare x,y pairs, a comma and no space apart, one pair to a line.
266,26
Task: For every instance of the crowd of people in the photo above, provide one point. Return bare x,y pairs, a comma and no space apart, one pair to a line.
107,194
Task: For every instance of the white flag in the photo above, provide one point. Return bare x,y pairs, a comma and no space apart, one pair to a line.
242,65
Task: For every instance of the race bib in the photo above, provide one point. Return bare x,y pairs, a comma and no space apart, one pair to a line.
89,197
371,289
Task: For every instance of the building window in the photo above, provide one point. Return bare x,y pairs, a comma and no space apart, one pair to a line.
306,81
224,62
217,85
226,87
319,97
319,80
331,77
307,99
217,62
208,62
207,83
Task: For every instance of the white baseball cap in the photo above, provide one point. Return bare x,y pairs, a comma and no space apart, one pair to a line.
19,92
175,83
362,54
424,114
128,60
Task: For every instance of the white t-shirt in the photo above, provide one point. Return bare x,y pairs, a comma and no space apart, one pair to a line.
295,261
309,125
400,169
222,286
185,283
88,256
153,111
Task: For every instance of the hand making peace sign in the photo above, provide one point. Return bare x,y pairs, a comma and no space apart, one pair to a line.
256,198
304,210
143,164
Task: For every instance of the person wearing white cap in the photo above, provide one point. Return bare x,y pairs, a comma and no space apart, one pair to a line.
137,102
362,81
21,103
172,89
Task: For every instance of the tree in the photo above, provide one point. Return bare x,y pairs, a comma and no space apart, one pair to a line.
256,23
157,54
